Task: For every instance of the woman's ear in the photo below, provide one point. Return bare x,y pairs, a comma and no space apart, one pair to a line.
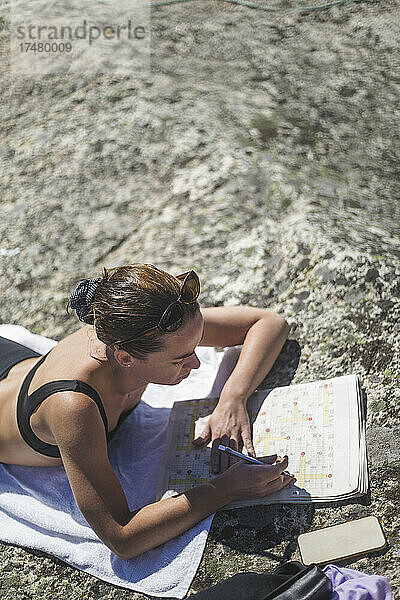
122,357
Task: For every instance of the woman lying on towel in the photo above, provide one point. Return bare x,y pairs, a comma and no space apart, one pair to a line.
142,325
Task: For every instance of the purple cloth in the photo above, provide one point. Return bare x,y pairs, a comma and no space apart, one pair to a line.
348,584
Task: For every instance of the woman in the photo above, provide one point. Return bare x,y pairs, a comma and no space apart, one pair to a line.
142,325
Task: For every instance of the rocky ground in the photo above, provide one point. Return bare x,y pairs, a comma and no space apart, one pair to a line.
261,149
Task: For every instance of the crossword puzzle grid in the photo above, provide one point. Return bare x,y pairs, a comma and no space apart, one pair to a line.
295,421
189,465
299,422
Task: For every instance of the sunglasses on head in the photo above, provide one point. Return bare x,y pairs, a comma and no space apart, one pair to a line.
172,317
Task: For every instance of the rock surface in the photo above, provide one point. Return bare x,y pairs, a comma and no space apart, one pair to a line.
261,150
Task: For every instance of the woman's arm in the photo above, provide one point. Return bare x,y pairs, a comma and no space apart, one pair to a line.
79,433
262,333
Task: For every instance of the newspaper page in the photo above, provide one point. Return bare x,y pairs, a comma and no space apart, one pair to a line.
317,424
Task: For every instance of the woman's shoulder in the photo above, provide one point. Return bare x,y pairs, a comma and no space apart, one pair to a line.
79,356
80,351
73,387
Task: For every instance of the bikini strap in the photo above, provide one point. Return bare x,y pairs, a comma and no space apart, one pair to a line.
27,404
67,385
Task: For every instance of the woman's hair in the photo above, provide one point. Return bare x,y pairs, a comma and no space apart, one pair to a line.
127,301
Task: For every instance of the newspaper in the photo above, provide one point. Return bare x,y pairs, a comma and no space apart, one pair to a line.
319,425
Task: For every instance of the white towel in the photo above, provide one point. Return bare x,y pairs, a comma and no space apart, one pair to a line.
38,510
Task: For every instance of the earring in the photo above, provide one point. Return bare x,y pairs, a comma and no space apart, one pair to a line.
126,364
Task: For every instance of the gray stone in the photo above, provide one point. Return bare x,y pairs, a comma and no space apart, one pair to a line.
371,275
325,273
302,295
231,187
383,445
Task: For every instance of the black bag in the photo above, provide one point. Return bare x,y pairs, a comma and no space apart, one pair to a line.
291,581
308,583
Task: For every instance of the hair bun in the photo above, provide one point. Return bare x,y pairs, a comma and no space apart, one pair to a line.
82,298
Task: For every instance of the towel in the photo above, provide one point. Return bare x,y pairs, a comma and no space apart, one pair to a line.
38,510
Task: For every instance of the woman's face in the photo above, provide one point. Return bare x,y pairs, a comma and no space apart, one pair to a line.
174,363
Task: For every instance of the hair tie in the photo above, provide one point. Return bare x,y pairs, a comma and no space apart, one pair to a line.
82,298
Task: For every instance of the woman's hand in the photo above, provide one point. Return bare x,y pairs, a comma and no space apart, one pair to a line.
228,425
262,334
244,481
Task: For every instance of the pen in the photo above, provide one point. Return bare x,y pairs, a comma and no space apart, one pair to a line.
249,459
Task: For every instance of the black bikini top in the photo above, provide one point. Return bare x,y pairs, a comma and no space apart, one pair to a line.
26,405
